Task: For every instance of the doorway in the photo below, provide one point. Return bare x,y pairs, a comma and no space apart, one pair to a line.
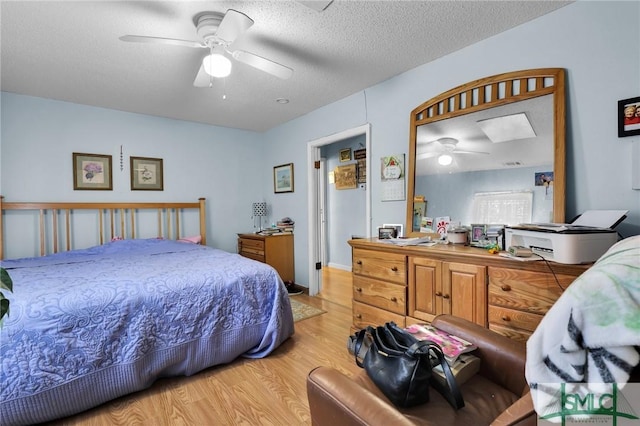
314,192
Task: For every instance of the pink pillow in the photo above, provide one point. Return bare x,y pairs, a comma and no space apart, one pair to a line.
196,239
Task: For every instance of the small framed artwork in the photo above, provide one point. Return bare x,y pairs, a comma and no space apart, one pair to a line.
345,155
629,117
385,233
92,171
146,174
283,178
478,232
346,177
399,228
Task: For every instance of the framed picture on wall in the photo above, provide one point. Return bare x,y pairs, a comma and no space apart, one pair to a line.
283,178
146,174
345,155
629,117
92,172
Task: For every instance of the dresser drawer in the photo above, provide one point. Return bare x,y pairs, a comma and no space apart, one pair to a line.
251,246
533,292
512,333
513,318
385,266
380,294
364,315
254,256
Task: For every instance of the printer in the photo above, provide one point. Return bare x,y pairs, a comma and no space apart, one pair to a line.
582,241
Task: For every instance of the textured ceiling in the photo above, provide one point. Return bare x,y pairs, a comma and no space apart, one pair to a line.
70,51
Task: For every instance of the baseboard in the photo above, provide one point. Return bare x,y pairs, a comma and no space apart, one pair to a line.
338,266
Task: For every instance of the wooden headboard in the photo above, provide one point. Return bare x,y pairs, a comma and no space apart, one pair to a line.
55,230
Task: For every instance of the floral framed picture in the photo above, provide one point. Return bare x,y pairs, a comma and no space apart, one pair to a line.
629,117
92,172
146,174
283,178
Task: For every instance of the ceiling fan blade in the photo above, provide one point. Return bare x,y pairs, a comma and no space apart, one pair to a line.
457,151
202,78
233,24
160,40
263,64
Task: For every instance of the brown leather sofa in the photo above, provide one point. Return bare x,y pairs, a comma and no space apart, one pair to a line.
497,395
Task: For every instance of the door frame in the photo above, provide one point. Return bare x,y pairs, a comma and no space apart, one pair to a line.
313,191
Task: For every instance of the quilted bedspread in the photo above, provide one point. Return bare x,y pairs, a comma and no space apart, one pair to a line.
87,326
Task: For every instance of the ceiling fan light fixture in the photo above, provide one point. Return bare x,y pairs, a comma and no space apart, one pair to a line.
445,159
217,65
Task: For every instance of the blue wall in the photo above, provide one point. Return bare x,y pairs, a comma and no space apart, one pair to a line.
595,41
223,165
345,213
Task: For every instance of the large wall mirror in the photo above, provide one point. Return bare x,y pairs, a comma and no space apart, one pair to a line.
491,151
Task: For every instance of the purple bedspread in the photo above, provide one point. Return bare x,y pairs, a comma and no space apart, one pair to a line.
87,326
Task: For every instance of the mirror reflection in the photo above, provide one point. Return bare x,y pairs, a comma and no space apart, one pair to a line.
513,155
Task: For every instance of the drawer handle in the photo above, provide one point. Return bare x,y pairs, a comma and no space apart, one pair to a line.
394,269
506,287
446,296
506,318
358,262
359,289
438,294
358,316
393,299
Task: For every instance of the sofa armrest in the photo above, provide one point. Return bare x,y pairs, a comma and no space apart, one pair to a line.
335,399
519,413
502,359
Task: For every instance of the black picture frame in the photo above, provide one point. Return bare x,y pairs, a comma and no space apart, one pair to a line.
387,233
625,129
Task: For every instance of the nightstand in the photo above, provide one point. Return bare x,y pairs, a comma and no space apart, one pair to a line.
275,250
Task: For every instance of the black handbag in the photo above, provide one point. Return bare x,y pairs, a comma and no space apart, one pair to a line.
401,366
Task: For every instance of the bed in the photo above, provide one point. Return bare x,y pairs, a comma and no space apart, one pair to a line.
88,325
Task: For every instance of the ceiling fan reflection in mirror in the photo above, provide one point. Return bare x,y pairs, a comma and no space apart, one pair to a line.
444,151
218,31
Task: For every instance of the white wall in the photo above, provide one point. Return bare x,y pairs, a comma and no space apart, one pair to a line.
596,42
39,135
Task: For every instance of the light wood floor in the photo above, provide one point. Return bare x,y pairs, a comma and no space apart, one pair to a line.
269,391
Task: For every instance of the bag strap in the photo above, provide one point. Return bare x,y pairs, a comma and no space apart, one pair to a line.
360,336
452,394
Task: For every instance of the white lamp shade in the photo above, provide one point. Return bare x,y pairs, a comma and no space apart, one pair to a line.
217,65
445,160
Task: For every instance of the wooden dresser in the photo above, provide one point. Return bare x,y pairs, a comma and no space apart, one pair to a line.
275,250
414,284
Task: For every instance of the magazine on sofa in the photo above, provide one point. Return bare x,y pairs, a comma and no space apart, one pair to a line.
452,346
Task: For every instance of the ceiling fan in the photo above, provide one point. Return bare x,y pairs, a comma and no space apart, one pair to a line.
446,147
218,31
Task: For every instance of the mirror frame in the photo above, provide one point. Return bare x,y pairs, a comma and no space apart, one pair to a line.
481,93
